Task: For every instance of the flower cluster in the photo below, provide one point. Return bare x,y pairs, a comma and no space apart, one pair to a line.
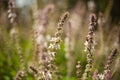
33,69
90,42
19,75
55,43
12,18
107,71
11,11
97,76
45,55
89,46
39,40
78,67
14,35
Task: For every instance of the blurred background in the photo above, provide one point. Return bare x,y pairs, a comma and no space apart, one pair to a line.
47,13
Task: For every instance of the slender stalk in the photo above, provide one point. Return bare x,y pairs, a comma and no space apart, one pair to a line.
89,48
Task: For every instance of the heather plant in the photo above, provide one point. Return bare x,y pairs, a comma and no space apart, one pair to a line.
89,47
40,41
28,53
47,69
14,35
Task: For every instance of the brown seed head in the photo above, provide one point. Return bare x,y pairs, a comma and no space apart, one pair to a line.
63,18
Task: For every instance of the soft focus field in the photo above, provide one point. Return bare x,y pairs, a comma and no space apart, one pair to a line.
34,24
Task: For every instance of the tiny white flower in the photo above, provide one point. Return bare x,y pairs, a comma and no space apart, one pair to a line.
52,53
85,50
10,15
49,75
53,39
51,46
86,46
101,76
57,46
86,43
93,48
